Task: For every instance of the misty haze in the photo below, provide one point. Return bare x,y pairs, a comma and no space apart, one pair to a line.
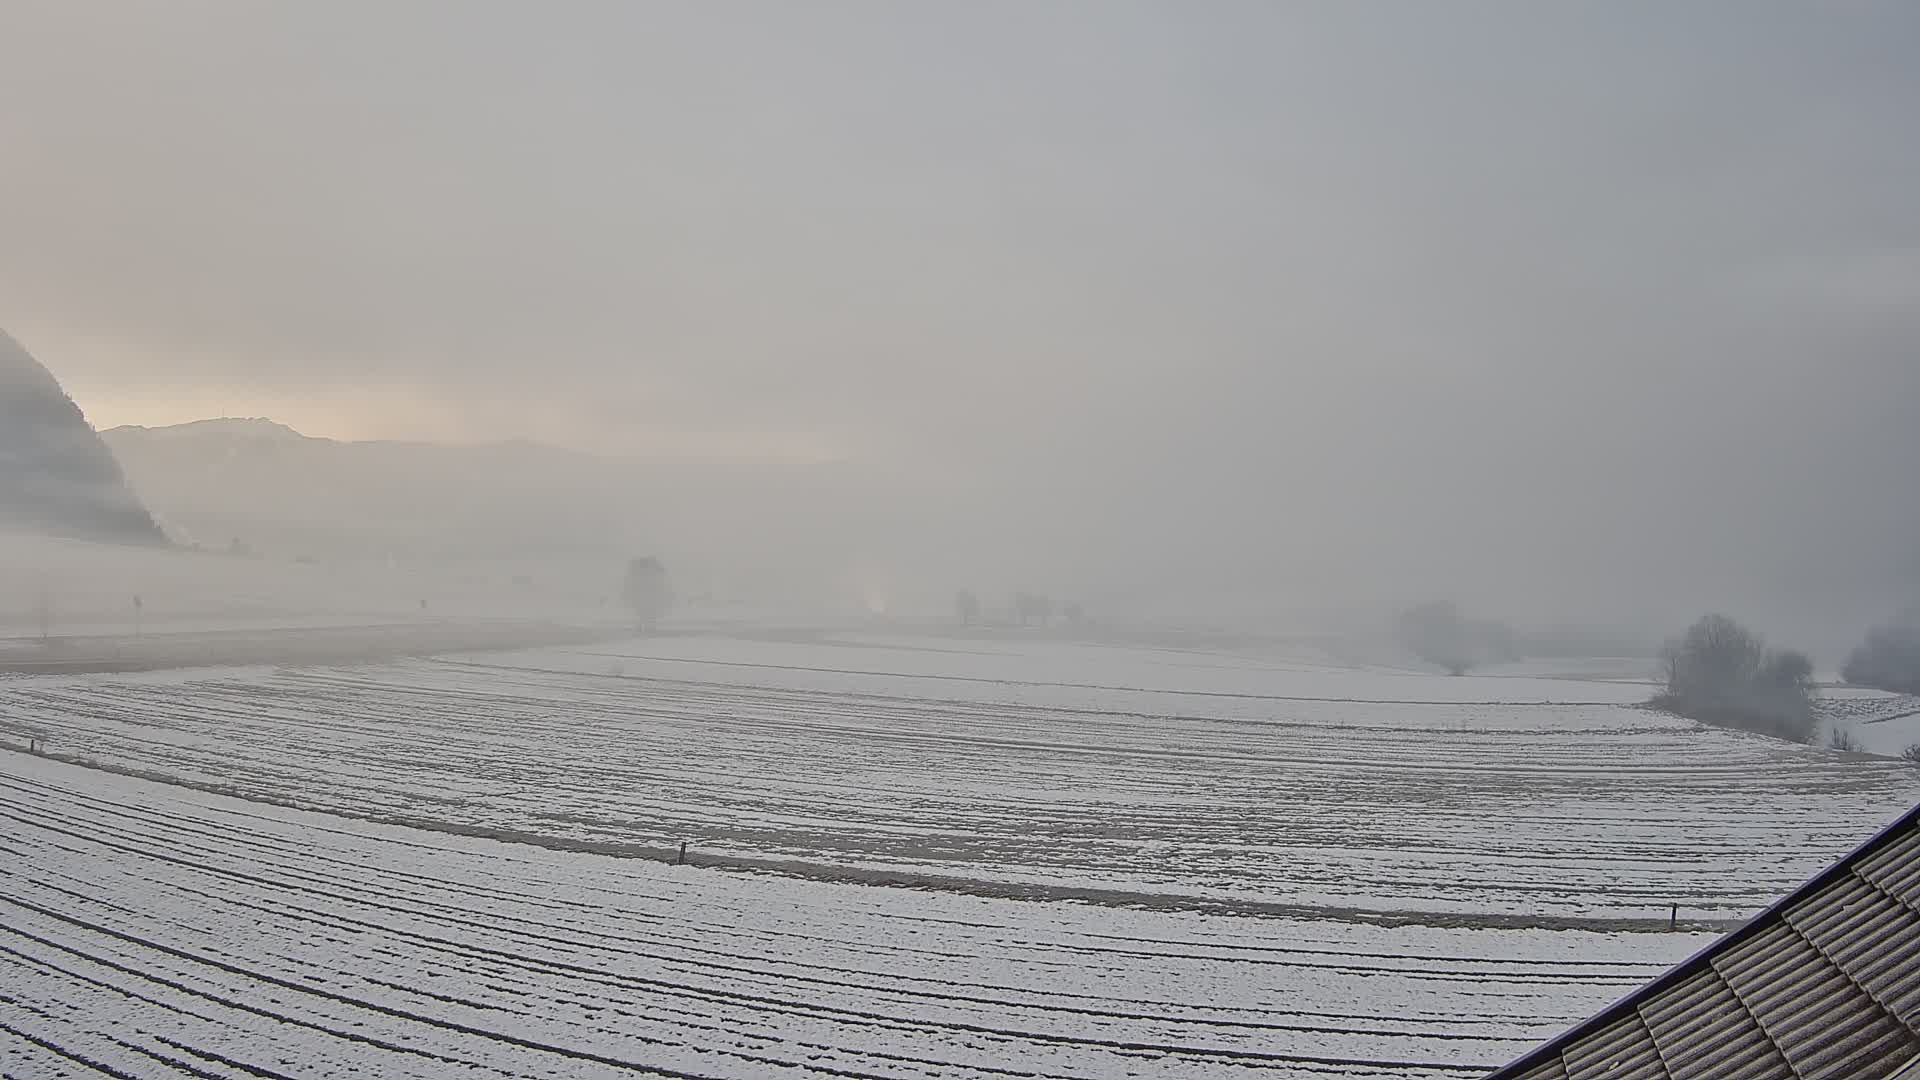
846,539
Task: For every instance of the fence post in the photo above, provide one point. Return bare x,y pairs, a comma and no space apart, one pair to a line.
681,861
1673,918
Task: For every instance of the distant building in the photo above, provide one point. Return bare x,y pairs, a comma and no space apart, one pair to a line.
1824,985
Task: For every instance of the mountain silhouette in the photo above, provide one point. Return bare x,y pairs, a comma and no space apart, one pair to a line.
56,475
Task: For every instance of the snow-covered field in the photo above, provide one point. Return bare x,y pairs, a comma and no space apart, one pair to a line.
1881,722
1182,779
1123,861
161,931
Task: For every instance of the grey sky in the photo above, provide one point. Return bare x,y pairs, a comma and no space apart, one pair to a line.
1209,288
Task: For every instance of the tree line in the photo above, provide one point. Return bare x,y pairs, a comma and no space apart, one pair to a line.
1718,671
1889,659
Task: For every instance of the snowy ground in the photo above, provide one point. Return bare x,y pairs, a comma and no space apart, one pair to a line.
1230,862
1882,723
161,932
1177,779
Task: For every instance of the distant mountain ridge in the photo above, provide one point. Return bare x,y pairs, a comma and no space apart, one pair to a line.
286,494
255,427
57,476
260,429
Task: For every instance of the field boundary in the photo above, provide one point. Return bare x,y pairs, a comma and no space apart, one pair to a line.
292,646
1224,694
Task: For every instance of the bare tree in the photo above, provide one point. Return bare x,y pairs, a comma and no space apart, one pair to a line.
1722,673
646,591
1033,606
966,607
1716,660
1440,635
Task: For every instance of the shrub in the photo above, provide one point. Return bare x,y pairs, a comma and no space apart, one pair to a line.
1844,739
1719,672
1911,755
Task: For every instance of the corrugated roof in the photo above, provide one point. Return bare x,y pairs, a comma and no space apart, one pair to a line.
1824,985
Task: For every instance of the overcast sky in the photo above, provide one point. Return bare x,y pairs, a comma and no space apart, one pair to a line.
1534,301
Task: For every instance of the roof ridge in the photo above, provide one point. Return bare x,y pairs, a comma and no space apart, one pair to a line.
1709,957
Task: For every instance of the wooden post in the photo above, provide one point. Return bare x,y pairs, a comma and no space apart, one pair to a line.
1673,918
681,861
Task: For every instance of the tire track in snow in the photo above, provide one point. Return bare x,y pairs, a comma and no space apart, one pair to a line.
274,886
